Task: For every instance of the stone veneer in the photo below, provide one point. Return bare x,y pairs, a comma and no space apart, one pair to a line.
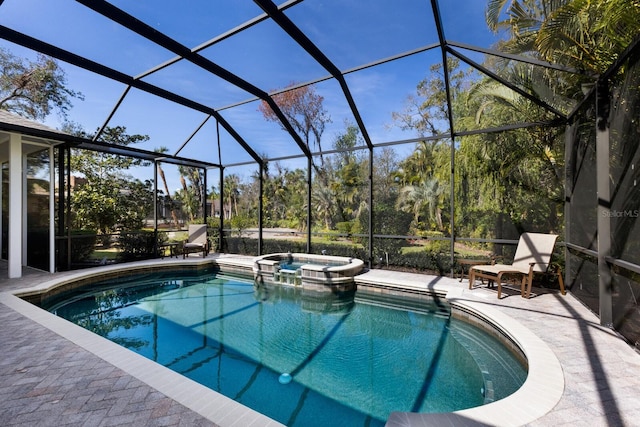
319,273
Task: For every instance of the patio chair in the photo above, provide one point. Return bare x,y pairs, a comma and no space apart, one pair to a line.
533,255
197,241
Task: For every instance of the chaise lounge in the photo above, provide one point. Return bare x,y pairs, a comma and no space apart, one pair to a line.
533,255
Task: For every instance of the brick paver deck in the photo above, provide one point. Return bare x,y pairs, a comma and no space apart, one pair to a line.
47,380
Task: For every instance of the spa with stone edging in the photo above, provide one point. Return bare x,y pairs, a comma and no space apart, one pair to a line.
313,272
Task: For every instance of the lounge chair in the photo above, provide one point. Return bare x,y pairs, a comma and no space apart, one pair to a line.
197,241
533,255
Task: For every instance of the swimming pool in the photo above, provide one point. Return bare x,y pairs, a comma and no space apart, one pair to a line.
353,365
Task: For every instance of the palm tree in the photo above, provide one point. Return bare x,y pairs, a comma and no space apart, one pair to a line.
583,34
192,192
231,190
295,184
425,195
323,199
174,217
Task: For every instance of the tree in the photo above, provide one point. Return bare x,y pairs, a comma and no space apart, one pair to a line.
304,109
33,89
323,199
427,112
385,164
524,168
107,205
168,198
295,184
348,175
583,34
231,192
191,194
426,172
99,165
420,199
276,197
286,198
108,198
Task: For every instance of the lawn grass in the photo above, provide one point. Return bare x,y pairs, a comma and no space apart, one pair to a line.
109,254
461,250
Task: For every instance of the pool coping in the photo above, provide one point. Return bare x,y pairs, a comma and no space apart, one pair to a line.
212,405
539,394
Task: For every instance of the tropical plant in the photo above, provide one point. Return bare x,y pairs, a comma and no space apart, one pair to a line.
190,195
230,194
582,34
349,175
427,111
420,199
167,194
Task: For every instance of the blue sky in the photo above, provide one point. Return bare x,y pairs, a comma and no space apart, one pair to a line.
350,32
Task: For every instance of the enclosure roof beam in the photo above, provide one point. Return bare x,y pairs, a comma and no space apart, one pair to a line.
246,25
104,147
87,64
518,58
300,37
184,144
506,83
132,23
345,72
39,133
96,137
445,66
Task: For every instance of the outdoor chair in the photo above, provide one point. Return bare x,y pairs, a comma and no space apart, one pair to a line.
533,255
197,241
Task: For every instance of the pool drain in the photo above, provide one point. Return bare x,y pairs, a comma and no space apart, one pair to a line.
285,378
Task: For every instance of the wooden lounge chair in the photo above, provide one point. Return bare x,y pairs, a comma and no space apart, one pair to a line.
533,255
197,241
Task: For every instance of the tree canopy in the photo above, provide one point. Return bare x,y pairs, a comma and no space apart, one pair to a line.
107,198
304,109
34,89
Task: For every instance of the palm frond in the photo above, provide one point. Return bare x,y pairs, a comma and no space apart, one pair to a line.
492,15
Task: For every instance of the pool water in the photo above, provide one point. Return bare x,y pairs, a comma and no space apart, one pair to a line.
291,265
348,367
294,265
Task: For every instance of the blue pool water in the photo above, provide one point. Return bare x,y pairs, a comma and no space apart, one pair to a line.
350,367
294,264
291,265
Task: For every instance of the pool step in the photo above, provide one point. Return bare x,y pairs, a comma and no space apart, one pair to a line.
439,308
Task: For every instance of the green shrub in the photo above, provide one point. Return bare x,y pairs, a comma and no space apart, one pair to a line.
385,249
241,246
138,245
83,243
437,263
345,227
240,223
213,233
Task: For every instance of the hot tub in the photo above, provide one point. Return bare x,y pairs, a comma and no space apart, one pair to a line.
312,272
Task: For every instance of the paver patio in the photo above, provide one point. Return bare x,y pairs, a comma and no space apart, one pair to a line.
46,379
